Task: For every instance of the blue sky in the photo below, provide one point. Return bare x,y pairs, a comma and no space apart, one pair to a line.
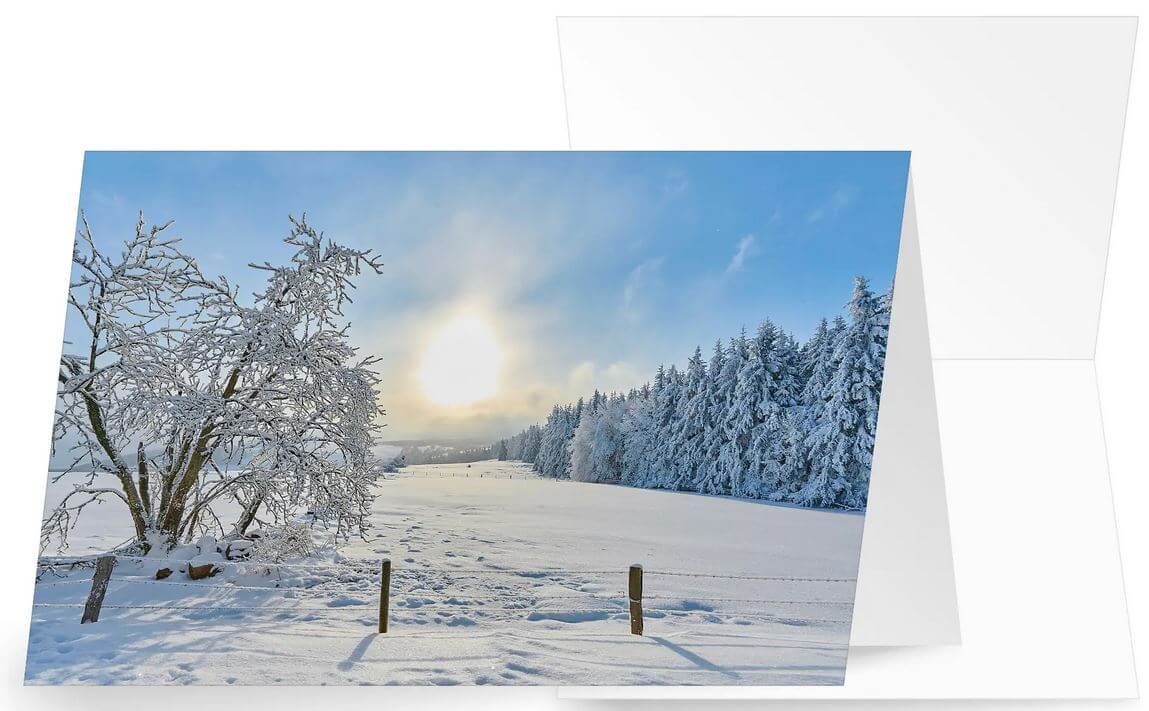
589,269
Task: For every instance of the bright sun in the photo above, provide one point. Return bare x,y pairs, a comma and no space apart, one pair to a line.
461,363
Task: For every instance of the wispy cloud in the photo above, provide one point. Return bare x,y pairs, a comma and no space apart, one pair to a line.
639,284
747,247
587,376
838,201
104,198
537,245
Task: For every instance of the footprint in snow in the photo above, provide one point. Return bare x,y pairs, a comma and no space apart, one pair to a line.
572,617
460,622
345,602
444,681
522,668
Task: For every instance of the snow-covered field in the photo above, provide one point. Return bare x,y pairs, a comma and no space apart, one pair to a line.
499,578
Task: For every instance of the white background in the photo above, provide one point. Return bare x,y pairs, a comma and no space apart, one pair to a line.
350,76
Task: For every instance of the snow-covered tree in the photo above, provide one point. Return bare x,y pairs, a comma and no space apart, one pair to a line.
776,378
688,436
190,397
735,418
532,439
597,444
713,475
766,418
515,447
581,447
640,438
812,351
554,454
668,392
788,457
841,440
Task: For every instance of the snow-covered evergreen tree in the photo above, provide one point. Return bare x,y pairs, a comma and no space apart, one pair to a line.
777,370
766,418
581,446
666,401
640,433
688,435
515,447
788,456
597,444
841,441
723,376
554,454
736,418
813,350
532,440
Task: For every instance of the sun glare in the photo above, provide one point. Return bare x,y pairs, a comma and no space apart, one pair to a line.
461,363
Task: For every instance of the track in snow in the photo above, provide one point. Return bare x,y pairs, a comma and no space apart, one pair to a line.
496,581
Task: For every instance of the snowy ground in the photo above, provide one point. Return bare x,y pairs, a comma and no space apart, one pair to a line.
499,578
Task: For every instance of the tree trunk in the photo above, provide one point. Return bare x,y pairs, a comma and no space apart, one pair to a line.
142,466
135,508
173,513
175,465
177,503
248,515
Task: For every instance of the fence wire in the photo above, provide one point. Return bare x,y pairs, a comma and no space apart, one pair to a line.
408,604
496,613
437,595
361,565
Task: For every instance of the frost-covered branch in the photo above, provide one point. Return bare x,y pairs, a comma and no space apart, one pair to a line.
264,403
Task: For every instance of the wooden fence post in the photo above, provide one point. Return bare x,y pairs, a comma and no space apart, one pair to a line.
99,586
384,594
635,593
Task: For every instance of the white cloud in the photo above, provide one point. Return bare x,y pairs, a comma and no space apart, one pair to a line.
747,246
586,377
582,377
621,376
463,246
637,289
839,200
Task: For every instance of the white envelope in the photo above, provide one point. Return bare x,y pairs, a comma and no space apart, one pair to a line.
1015,128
